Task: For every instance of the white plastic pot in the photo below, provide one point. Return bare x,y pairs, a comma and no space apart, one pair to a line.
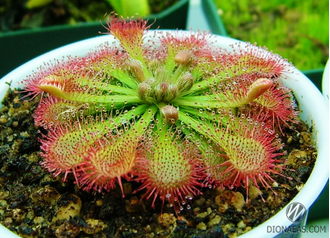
314,110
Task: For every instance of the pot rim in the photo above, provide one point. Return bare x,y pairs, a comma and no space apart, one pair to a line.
315,113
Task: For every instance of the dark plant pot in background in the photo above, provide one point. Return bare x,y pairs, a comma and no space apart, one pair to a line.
20,46
315,75
213,19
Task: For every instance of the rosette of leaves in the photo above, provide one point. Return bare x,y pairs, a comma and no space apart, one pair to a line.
171,110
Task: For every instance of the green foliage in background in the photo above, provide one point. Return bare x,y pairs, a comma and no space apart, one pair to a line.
128,8
295,29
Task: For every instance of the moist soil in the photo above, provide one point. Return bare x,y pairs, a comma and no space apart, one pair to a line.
33,203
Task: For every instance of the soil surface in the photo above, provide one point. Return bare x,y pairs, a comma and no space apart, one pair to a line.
33,203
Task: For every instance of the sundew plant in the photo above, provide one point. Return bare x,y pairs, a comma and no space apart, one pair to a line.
170,110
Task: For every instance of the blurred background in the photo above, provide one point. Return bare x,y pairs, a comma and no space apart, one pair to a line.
295,29
29,28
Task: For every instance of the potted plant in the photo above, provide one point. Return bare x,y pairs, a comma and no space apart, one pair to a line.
36,39
174,114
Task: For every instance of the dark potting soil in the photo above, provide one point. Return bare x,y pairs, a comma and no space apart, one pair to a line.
33,203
